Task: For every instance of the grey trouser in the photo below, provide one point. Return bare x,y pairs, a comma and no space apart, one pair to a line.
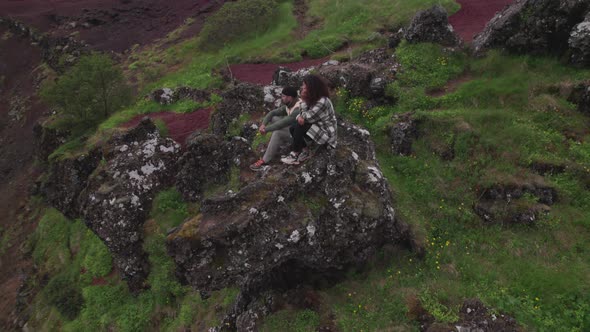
277,139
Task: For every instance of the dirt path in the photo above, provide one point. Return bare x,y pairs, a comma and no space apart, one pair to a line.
474,15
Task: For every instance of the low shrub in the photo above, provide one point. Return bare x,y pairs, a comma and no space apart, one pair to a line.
88,93
65,297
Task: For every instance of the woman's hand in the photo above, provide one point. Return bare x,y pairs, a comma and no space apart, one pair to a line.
300,120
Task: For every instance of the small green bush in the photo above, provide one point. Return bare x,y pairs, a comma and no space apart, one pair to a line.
237,20
61,294
89,92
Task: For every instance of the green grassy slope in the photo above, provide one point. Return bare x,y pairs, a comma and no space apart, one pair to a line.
500,120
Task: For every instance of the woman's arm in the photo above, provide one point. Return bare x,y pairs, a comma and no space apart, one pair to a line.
313,115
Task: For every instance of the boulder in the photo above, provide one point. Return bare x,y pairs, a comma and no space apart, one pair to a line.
292,225
431,26
284,76
241,99
118,197
579,43
356,78
539,27
66,178
403,132
364,76
207,161
580,96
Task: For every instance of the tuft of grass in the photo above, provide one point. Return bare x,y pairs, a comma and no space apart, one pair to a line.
287,320
169,209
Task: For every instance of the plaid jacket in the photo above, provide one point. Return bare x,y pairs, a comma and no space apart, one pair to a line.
323,120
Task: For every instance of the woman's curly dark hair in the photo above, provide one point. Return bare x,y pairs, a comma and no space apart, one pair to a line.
316,89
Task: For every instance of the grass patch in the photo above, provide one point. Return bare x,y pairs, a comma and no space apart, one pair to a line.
287,320
496,124
169,209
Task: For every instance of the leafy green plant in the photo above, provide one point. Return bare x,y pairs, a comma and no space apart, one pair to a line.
89,92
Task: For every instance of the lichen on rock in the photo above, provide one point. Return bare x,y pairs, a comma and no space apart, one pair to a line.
333,212
118,196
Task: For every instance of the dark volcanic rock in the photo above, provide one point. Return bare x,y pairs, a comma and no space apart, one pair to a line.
508,203
208,160
431,26
579,43
47,139
539,27
118,196
59,52
284,76
364,76
402,133
355,77
474,316
244,98
293,225
166,96
581,96
66,179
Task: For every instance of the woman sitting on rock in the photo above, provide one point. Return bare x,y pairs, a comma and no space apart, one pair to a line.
317,120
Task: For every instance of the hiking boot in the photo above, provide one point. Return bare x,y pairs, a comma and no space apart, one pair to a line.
258,165
304,155
291,159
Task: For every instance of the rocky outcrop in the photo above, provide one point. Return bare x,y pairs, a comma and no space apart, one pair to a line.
66,179
167,96
291,225
580,95
118,196
579,43
515,203
59,52
284,76
242,99
473,316
365,76
431,26
403,132
540,27
207,161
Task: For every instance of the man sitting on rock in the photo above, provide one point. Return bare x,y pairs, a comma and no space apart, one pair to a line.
278,122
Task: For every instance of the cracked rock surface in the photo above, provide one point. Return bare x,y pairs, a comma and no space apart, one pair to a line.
292,224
